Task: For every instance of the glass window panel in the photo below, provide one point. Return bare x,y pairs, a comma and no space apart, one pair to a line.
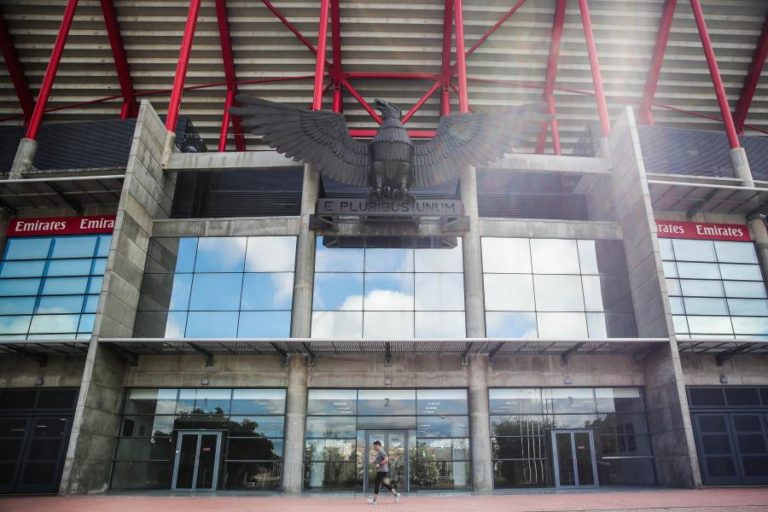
186,401
99,266
74,247
182,287
17,306
532,473
510,325
212,401
439,292
27,248
331,427
220,254
337,260
693,288
698,270
508,292
141,475
736,252
670,269
14,287
593,293
744,289
750,325
506,255
338,292
710,325
570,400
54,324
332,324
22,268
558,293
588,257
442,426
94,285
331,449
212,325
65,285
596,325
336,402
694,250
748,307
562,325
185,253
144,426
258,401
695,306
575,421
389,292
215,292
105,241
388,325
673,287
441,401
144,449
440,324
740,272
71,267
267,291
252,476
439,260
386,402
553,256
667,252
14,324
389,260
264,324
626,400
515,400
676,305
60,304
255,449
332,475
267,426
176,325
270,254
151,401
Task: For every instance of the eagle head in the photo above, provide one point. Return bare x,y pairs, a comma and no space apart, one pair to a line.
388,109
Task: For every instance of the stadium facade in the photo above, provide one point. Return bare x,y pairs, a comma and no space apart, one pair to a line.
590,311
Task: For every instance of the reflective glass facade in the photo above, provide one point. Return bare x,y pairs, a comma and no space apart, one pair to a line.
435,423
716,289
49,286
522,420
374,292
550,288
251,422
218,287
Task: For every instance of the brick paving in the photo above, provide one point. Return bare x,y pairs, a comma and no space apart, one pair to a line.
708,500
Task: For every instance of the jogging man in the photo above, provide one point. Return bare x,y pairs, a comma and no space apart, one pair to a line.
382,473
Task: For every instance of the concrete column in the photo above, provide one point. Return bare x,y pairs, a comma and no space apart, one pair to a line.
474,304
303,284
25,155
480,426
295,417
760,236
741,167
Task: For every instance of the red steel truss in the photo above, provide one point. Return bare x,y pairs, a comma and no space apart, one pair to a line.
451,76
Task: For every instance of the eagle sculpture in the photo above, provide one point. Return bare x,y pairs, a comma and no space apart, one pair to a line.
391,163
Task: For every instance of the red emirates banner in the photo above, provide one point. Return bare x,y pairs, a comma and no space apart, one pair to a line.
90,225
702,231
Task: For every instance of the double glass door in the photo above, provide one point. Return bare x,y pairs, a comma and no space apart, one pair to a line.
574,458
395,443
197,461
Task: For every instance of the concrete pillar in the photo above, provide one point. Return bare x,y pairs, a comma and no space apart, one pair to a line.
23,161
760,235
295,418
303,283
474,303
480,426
741,167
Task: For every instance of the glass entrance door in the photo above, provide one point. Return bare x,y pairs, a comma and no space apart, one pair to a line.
197,461
395,443
574,458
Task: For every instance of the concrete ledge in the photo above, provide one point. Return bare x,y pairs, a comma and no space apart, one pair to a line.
541,228
552,163
259,226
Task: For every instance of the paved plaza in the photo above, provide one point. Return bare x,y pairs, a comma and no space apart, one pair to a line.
709,500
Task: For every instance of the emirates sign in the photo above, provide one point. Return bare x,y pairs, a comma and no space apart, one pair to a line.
702,231
90,225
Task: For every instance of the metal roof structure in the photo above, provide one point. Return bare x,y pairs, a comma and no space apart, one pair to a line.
517,51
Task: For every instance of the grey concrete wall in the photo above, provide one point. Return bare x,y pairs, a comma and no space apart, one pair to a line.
572,229
479,424
742,370
548,371
668,417
262,226
147,193
295,419
59,371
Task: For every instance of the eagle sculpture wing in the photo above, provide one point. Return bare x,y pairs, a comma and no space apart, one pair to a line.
316,137
473,139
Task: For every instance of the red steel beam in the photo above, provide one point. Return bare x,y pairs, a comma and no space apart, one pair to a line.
377,75
594,65
494,28
751,80
422,100
549,84
50,72
714,73
15,70
290,26
228,59
359,97
130,106
322,40
446,71
645,114
338,104
414,134
181,66
461,57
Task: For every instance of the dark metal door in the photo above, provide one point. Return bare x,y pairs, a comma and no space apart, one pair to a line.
717,456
